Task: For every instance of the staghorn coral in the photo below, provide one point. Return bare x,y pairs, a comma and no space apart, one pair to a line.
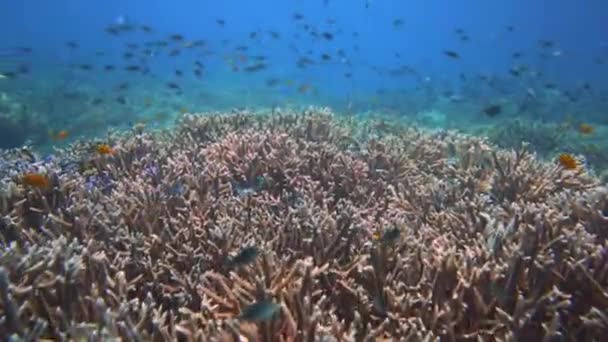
545,138
492,244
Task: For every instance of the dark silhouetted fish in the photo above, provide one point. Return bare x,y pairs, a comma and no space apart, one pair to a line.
492,110
245,256
72,45
451,54
272,82
173,85
260,311
255,67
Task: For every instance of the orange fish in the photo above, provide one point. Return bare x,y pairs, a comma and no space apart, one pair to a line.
63,134
585,128
36,180
104,149
567,161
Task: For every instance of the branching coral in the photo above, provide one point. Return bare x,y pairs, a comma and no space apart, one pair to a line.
400,236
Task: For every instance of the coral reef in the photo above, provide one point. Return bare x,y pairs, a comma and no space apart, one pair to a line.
546,138
402,236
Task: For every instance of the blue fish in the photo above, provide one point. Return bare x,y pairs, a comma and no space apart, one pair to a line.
260,311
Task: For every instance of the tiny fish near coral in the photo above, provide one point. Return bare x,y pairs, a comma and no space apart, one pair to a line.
390,236
104,149
36,180
246,256
585,128
260,311
567,161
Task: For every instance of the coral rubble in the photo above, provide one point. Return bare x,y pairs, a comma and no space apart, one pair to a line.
362,232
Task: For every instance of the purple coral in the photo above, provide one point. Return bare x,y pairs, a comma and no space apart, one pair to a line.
384,241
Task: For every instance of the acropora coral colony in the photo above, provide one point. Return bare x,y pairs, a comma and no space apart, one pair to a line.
300,227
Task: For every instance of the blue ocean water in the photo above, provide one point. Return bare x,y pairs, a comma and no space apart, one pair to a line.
85,67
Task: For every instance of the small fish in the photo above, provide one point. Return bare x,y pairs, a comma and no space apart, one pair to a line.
260,311
451,54
585,128
36,180
23,69
304,88
104,149
567,161
390,236
272,82
546,44
327,35
121,100
132,68
123,86
245,256
221,22
398,22
255,67
492,110
72,45
173,85
61,135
